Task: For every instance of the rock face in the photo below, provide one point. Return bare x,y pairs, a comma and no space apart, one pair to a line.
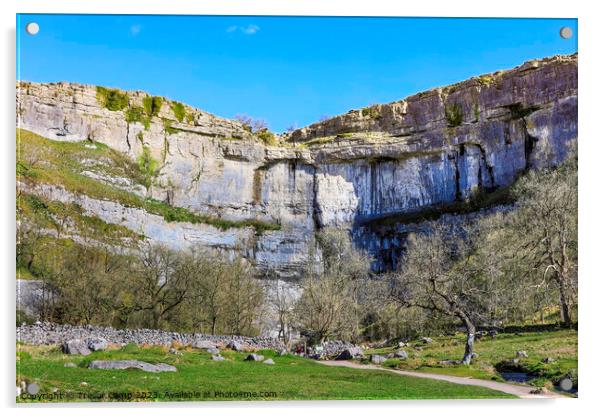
430,149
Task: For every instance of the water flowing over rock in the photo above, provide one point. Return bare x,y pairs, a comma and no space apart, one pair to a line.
430,150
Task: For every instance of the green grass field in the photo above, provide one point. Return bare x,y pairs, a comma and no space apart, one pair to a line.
200,378
560,345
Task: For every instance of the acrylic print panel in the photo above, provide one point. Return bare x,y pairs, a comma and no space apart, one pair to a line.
295,208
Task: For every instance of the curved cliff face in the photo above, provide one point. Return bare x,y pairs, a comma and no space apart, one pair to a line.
428,150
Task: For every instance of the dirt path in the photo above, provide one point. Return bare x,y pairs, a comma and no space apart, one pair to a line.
521,391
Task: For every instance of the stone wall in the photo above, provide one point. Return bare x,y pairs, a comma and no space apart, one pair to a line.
45,333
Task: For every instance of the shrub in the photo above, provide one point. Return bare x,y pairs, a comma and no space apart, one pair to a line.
112,99
178,110
371,112
152,105
453,115
267,137
148,166
168,128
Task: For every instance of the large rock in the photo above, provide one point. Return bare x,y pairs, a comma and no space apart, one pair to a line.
235,345
402,354
350,353
254,357
203,344
377,359
135,364
76,346
97,344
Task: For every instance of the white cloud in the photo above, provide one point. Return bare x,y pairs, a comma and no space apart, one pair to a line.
250,29
135,29
247,30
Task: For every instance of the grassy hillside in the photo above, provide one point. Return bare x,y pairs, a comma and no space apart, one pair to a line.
291,378
559,345
100,172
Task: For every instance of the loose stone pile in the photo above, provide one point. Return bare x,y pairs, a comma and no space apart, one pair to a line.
49,333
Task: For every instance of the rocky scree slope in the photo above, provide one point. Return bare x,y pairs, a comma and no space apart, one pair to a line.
433,149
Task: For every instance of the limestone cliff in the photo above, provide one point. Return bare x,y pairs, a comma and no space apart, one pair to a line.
429,150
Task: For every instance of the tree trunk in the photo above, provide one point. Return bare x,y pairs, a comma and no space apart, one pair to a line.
565,314
213,324
470,335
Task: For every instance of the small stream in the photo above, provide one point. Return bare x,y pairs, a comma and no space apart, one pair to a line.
517,377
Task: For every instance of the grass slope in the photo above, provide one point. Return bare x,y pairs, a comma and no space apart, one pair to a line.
561,345
41,160
291,378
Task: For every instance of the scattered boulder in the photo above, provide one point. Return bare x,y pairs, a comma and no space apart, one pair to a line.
76,346
401,344
493,333
426,340
70,365
174,351
283,353
449,362
350,353
233,345
269,361
474,356
213,350
548,360
400,354
522,354
377,359
97,344
254,357
217,357
125,364
203,344
418,348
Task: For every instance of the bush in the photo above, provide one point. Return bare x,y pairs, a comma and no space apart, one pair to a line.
371,112
135,114
179,111
267,137
168,127
148,166
454,115
112,99
152,105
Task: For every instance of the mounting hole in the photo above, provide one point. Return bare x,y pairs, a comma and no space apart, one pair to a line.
32,28
566,32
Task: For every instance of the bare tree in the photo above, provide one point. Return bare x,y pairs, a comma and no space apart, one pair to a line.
282,301
442,274
330,303
160,283
545,229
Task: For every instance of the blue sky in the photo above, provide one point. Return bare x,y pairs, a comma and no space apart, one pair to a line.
286,70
